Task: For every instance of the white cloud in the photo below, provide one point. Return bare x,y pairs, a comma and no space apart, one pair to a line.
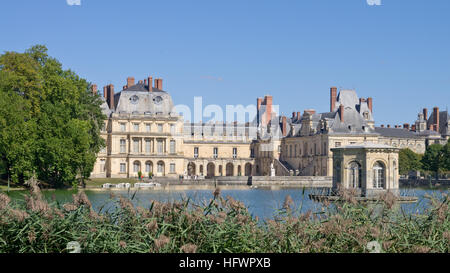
374,2
73,2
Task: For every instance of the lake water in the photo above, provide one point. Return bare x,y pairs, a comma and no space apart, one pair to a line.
261,202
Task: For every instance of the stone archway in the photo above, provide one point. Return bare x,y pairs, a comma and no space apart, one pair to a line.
191,169
210,170
230,169
248,169
160,169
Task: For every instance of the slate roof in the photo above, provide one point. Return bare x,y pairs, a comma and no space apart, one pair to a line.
397,133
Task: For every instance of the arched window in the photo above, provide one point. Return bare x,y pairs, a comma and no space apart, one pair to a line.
136,166
148,167
160,168
354,175
378,175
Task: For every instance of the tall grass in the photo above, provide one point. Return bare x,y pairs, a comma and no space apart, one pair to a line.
223,225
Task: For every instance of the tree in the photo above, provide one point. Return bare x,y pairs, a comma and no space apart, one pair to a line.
433,160
446,157
409,161
49,120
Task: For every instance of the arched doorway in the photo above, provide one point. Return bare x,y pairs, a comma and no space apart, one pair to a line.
354,175
136,167
160,171
379,177
230,169
191,169
211,170
148,167
248,169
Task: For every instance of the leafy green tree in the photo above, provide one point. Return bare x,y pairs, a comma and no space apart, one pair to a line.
409,161
49,120
433,160
446,157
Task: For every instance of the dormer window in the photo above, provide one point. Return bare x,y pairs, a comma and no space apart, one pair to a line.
366,115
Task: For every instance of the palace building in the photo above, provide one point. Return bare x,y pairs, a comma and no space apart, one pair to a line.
144,134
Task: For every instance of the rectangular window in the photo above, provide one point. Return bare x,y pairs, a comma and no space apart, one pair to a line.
102,165
234,152
136,127
123,127
160,146
148,128
123,168
215,152
136,146
147,146
195,152
172,167
252,153
160,128
172,129
172,147
123,146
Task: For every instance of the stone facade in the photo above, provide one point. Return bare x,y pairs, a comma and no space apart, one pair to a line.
369,169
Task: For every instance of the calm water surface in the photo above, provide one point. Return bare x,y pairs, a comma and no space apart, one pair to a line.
263,203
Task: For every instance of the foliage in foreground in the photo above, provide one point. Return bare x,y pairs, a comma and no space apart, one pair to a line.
223,226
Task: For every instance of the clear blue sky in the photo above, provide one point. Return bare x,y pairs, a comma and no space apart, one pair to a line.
232,51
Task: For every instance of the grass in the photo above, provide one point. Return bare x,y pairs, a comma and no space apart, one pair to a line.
222,225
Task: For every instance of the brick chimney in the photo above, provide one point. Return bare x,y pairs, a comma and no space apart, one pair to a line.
406,126
94,89
283,124
293,116
436,118
105,92
130,81
299,115
425,113
370,104
413,127
150,84
333,98
382,125
110,96
268,103
141,82
389,126
158,84
341,112
396,126
310,111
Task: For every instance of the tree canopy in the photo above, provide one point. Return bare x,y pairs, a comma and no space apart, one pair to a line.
409,161
49,119
436,158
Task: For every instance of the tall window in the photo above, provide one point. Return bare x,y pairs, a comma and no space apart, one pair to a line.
160,146
123,127
160,128
148,167
234,152
172,129
136,166
195,152
355,175
147,146
123,146
215,152
102,165
172,167
136,146
136,127
123,168
172,147
378,175
161,167
148,127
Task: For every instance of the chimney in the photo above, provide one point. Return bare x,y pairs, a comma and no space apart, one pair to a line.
436,118
150,84
141,82
293,116
110,96
105,92
396,127
299,115
389,126
382,125
145,81
268,103
158,84
406,126
413,127
130,81
370,104
283,128
124,87
425,113
341,112
94,89
333,97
